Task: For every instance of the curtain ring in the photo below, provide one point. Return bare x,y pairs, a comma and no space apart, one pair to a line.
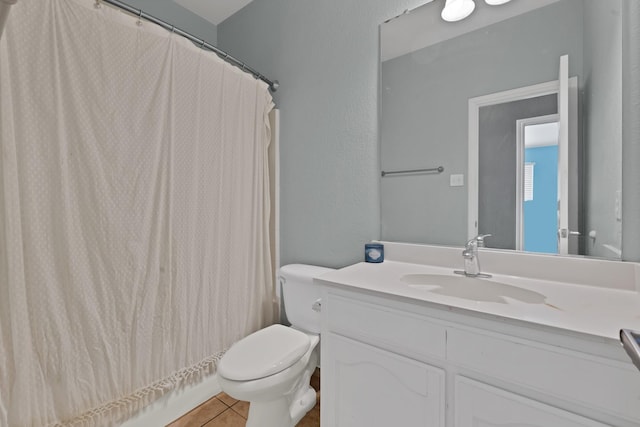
98,4
202,44
139,23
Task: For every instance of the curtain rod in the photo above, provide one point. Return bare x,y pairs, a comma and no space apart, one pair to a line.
273,85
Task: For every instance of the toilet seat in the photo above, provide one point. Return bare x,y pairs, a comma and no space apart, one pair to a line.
264,353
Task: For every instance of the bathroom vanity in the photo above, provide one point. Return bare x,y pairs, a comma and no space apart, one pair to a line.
408,343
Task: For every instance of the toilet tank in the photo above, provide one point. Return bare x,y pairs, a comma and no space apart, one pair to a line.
300,294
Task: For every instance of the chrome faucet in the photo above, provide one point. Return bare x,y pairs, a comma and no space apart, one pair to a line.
470,255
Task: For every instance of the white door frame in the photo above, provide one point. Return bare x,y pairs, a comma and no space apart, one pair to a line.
526,92
520,150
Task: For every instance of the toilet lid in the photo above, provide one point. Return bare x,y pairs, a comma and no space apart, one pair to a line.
263,353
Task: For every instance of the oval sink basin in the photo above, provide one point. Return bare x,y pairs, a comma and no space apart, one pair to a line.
471,288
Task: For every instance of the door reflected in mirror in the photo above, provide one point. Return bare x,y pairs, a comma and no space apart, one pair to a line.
539,147
538,173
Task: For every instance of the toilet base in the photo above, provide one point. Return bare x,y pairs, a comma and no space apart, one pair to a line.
281,412
304,404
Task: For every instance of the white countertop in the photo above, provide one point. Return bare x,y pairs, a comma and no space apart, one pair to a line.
596,311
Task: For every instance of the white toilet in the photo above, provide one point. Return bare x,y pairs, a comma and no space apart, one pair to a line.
272,367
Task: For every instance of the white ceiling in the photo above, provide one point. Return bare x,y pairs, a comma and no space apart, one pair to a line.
541,135
423,26
214,11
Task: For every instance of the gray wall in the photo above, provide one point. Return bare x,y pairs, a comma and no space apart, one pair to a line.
602,109
498,163
325,55
174,14
631,131
424,112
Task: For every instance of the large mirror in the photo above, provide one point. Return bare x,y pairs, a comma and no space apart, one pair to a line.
508,122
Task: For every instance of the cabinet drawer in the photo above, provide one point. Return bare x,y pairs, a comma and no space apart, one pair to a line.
608,386
401,332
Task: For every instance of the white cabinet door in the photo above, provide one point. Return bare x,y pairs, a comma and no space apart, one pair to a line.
481,405
364,386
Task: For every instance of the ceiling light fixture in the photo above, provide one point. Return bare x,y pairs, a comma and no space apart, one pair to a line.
457,10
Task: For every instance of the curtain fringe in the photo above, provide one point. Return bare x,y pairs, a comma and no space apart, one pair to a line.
117,410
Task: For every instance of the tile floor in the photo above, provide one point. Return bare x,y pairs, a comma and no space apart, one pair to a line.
225,411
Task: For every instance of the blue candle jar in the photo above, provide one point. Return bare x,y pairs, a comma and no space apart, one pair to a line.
374,252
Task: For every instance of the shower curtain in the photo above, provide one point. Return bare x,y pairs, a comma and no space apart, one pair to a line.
134,212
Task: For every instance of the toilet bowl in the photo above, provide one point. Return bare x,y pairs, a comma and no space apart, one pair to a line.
272,368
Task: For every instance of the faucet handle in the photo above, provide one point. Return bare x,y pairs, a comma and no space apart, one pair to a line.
480,239
476,242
